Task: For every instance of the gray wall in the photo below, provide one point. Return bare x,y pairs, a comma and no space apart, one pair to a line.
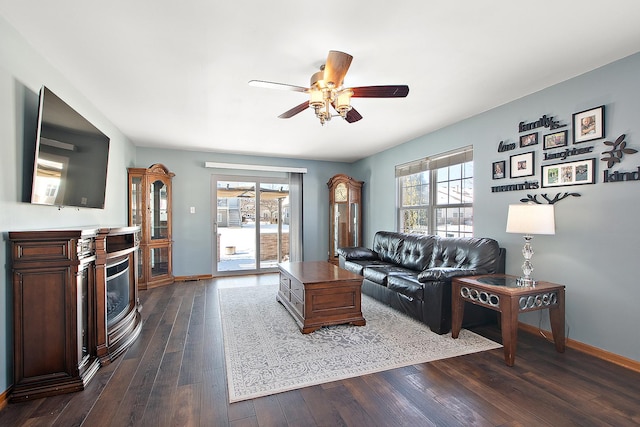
192,233
22,73
594,250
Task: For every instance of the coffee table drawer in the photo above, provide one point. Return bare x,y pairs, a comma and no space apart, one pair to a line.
284,285
297,289
297,305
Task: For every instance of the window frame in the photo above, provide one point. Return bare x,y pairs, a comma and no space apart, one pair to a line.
429,167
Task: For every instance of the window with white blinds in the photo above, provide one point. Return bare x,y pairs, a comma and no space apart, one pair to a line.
435,194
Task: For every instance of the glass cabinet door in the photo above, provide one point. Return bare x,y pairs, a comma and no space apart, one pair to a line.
158,215
341,226
136,201
159,261
354,224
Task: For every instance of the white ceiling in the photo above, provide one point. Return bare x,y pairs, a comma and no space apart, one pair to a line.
174,74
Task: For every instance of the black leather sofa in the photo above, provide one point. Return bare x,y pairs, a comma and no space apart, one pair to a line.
412,273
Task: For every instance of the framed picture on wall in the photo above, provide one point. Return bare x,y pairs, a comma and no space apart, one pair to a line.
555,140
498,169
569,173
588,125
529,139
522,165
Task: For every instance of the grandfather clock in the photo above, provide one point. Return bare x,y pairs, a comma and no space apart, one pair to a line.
345,214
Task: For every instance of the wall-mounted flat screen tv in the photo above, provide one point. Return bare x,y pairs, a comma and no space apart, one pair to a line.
71,157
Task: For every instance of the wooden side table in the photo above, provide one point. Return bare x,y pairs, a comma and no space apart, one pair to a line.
499,292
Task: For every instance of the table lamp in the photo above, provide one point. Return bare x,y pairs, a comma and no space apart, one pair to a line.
530,219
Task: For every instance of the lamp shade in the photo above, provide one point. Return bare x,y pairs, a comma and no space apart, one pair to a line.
531,219
316,99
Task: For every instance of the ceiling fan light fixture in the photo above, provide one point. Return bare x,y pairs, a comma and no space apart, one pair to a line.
343,102
326,92
322,112
316,98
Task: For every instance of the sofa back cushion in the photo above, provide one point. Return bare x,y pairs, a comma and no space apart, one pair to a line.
388,244
417,251
478,253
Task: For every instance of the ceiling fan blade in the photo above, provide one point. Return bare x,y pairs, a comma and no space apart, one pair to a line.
353,116
273,85
389,91
295,110
336,67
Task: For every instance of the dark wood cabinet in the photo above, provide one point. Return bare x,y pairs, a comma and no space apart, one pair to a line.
60,293
150,209
345,214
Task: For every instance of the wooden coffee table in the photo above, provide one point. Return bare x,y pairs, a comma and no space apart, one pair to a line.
318,294
499,292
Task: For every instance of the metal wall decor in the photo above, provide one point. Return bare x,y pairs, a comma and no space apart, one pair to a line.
619,149
552,201
586,125
613,156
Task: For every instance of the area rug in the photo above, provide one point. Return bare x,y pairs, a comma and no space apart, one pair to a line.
266,353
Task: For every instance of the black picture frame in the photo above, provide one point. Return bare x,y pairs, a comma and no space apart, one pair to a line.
588,125
498,169
528,139
521,165
576,172
555,140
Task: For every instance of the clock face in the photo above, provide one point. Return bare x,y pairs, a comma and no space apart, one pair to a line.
340,194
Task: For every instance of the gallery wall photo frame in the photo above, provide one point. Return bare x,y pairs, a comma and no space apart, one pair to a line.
569,173
521,165
555,140
528,139
588,125
498,169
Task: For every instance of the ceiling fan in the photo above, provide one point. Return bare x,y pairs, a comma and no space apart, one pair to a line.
326,91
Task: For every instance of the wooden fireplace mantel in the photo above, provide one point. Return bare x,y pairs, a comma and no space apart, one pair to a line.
60,327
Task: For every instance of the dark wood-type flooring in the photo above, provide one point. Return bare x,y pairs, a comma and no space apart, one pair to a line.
174,375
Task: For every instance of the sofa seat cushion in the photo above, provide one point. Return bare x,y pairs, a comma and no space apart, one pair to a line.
357,266
407,285
444,273
380,273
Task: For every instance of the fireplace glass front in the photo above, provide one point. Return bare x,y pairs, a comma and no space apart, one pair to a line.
117,290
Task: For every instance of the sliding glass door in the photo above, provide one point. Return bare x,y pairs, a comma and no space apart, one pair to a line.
251,224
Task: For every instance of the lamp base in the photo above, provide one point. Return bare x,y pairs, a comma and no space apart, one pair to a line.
525,281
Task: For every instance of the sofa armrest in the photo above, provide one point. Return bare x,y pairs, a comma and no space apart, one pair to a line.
357,253
444,273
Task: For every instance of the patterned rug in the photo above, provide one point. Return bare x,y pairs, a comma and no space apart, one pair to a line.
266,353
